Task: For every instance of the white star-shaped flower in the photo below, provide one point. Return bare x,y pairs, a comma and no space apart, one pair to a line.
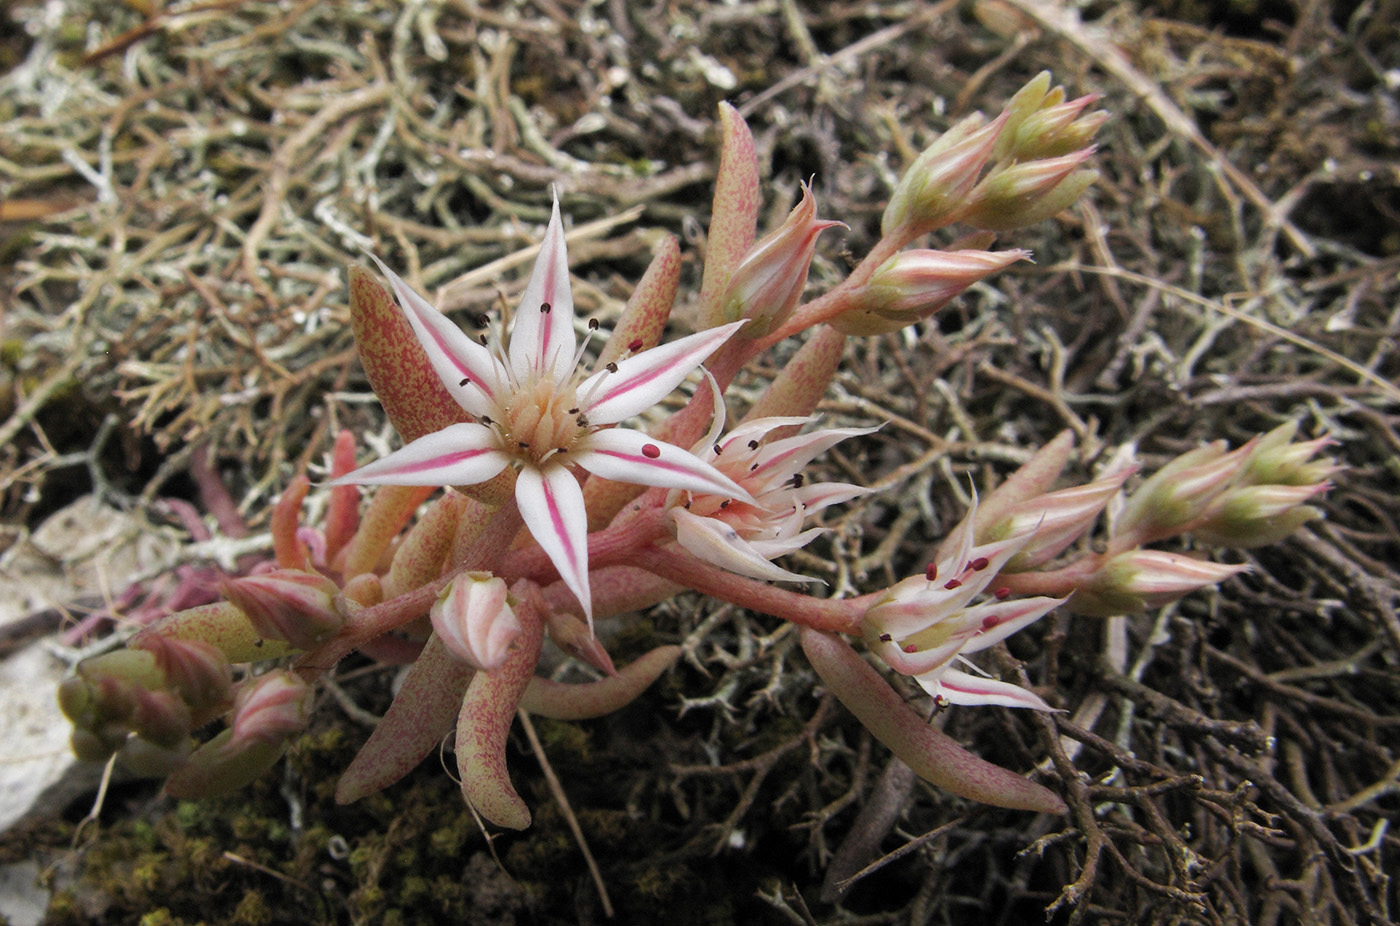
533,409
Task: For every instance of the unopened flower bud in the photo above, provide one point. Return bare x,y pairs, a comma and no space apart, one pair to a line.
913,285
936,185
268,710
288,604
768,283
577,639
1276,460
102,695
271,708
475,621
199,671
1056,129
1025,193
1036,94
1058,519
89,746
1252,516
161,718
1180,492
1142,579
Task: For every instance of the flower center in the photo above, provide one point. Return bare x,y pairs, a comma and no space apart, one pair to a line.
543,419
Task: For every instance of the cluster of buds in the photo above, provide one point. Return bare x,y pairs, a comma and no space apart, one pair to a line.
1021,167
144,701
557,510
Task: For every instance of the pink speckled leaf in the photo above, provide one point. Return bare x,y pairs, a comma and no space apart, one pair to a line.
398,368
734,221
562,701
421,715
932,754
644,319
802,381
483,727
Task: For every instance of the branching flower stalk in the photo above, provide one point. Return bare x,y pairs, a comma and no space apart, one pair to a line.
524,503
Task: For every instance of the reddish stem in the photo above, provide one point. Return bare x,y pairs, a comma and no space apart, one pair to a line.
1055,583
840,615
615,545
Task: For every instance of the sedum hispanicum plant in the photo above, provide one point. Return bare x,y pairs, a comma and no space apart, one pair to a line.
549,510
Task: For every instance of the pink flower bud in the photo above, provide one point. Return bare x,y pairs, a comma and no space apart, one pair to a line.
1042,124
1055,130
935,186
1142,579
913,285
1252,516
288,604
198,670
768,283
270,708
475,621
1025,193
161,717
1057,518
1035,95
1278,461
577,639
1179,492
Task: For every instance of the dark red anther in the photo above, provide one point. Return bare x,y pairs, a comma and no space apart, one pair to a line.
635,345
989,622
651,451
885,638
465,380
978,564
725,504
1002,593
931,571
910,648
952,583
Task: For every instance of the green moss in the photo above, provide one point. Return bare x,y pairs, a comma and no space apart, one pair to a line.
11,350
161,917
562,741
252,910
447,841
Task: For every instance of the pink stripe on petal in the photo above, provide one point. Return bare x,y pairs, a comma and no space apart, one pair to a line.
644,379
452,353
551,505
622,455
461,454
963,688
542,342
